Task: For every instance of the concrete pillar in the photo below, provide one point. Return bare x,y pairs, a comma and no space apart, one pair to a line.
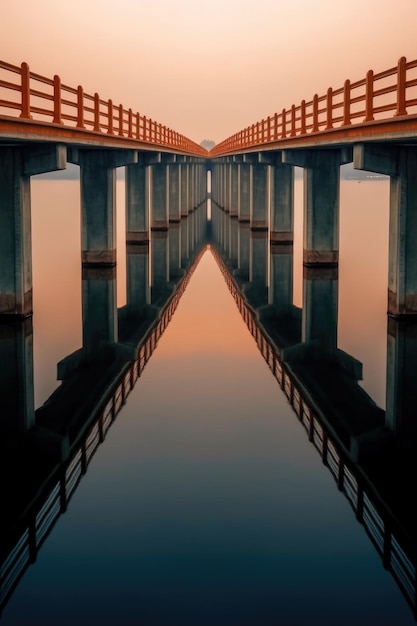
260,197
137,277
245,191
159,197
400,163
234,237
281,279
174,250
185,242
174,191
137,206
401,390
16,166
257,289
282,203
320,308
16,376
185,184
321,203
244,250
159,264
99,308
98,202
234,189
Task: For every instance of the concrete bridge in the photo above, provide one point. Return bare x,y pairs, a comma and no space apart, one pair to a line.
45,124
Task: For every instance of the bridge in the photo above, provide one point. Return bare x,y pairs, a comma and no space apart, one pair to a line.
45,124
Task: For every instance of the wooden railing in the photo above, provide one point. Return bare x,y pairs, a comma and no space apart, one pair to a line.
388,94
30,96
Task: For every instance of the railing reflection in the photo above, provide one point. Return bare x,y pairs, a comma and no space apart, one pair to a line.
370,453
47,453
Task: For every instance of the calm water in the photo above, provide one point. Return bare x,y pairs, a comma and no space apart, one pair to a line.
207,504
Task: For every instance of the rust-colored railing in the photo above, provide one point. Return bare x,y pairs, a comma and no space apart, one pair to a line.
30,96
386,95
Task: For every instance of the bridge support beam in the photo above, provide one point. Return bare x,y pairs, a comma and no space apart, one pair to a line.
159,197
137,207
98,203
174,190
282,203
245,191
16,167
16,376
400,164
234,190
260,197
321,203
185,178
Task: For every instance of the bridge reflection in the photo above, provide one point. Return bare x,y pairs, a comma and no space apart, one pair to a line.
369,452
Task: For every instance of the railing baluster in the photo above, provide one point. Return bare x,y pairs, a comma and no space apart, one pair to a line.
369,97
292,134
80,107
303,117
57,100
110,117
329,106
96,112
25,91
120,120
401,86
346,103
284,130
130,124
137,126
315,128
276,126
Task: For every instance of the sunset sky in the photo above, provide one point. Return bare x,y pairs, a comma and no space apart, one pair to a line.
207,69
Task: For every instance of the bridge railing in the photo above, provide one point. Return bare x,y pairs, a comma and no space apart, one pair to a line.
391,93
30,96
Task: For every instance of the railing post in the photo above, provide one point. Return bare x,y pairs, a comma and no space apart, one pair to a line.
137,118
120,120
80,107
57,100
96,112
329,107
303,117
268,129
401,85
110,118
346,103
144,128
25,91
315,128
276,126
284,131
292,134
369,97
130,124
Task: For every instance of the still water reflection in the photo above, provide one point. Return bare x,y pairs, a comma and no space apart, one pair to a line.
206,503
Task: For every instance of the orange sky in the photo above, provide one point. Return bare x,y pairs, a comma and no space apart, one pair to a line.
207,69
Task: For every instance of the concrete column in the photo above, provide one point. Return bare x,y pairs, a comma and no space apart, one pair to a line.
281,280
159,265
400,163
321,203
260,197
282,203
244,250
185,242
98,202
16,167
234,242
174,250
320,308
159,196
99,308
16,376
174,190
185,185
234,189
401,391
137,277
245,191
257,290
137,206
